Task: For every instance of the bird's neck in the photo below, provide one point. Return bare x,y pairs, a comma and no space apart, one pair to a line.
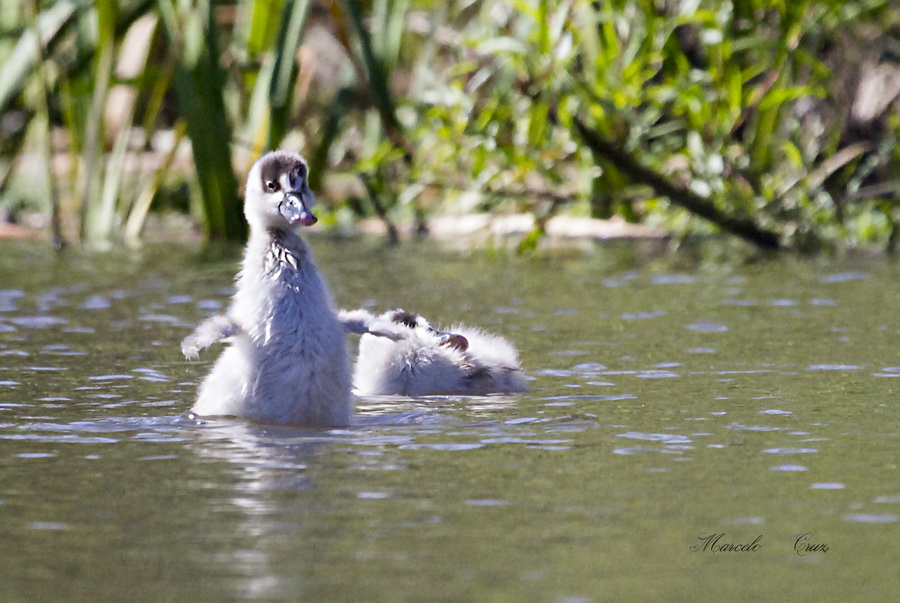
277,250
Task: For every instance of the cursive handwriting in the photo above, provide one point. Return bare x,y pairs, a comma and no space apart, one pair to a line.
804,545
713,543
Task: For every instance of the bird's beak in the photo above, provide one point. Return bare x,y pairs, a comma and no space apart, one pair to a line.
296,210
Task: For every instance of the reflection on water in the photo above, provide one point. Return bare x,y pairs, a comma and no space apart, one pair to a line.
666,401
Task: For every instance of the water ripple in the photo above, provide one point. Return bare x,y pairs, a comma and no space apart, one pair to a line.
209,304
667,438
96,302
49,525
785,451
588,367
38,322
700,351
656,374
742,427
519,440
588,398
844,277
632,450
707,327
148,374
744,520
487,502
553,373
8,299
738,302
874,518
642,315
450,446
672,279
162,318
60,439
888,372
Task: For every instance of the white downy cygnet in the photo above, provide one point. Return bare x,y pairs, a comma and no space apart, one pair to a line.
400,353
287,362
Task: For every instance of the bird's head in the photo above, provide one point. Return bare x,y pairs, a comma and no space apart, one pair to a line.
277,192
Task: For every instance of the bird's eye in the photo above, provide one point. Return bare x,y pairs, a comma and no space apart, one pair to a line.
272,186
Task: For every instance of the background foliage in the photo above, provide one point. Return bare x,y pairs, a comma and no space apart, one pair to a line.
775,121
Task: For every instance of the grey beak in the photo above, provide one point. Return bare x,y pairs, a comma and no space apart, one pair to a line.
295,210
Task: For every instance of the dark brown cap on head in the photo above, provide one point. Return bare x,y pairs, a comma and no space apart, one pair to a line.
277,163
409,319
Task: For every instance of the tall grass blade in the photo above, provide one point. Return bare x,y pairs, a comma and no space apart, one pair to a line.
91,173
103,216
284,69
378,81
331,129
138,214
46,143
200,86
50,26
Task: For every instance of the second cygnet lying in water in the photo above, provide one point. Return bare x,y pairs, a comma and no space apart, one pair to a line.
400,353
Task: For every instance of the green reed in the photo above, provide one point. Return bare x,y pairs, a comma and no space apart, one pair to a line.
692,114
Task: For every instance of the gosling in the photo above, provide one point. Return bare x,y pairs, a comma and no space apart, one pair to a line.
287,361
401,353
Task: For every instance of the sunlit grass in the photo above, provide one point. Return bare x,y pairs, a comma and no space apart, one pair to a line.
468,106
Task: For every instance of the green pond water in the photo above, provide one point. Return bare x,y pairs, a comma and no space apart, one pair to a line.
678,409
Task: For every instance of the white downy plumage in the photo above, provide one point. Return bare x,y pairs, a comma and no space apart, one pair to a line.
287,361
400,353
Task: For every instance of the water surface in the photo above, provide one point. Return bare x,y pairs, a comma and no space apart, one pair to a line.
678,409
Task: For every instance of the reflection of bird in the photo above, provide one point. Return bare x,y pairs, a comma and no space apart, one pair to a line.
287,362
400,353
